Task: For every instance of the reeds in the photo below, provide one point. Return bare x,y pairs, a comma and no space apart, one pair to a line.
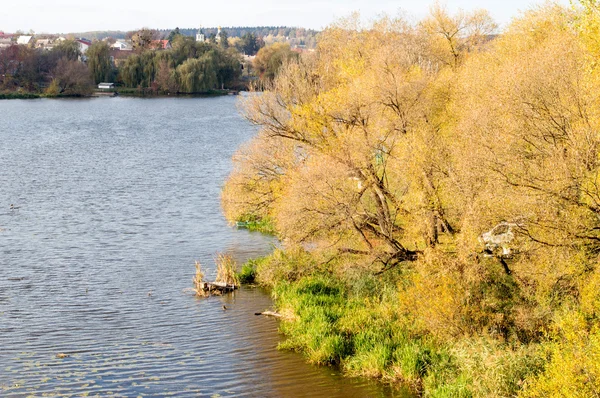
226,270
226,280
199,281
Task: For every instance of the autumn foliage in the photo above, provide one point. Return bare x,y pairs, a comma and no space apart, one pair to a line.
397,146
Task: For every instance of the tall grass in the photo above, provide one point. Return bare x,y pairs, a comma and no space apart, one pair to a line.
226,267
247,274
199,281
362,337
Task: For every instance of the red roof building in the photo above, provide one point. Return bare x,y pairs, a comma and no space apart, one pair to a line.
160,45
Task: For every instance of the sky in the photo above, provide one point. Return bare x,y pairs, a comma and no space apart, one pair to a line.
63,16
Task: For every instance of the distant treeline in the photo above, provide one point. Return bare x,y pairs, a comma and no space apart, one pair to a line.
95,35
298,36
260,31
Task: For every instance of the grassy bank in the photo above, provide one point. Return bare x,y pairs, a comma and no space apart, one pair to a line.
357,322
20,95
145,92
14,95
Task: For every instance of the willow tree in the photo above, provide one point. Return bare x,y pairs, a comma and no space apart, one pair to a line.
131,72
451,36
98,61
68,49
197,75
532,124
357,113
269,59
149,61
140,69
550,126
184,47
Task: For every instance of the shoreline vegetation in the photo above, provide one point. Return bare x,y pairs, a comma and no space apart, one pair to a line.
181,65
435,189
126,92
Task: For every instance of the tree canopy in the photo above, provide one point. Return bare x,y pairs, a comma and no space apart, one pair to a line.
269,59
466,161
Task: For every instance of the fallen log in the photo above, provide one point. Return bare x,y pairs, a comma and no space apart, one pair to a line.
269,313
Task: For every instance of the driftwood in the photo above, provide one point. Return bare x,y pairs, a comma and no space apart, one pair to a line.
219,286
269,313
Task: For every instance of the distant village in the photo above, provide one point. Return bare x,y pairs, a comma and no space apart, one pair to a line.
118,45
223,58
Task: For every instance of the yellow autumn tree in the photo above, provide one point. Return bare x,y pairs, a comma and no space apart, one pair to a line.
411,146
357,114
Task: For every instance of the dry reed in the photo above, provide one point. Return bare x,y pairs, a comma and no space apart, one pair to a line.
199,281
226,269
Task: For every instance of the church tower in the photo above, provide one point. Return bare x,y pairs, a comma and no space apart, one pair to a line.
200,35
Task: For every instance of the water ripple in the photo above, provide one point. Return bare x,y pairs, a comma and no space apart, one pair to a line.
117,198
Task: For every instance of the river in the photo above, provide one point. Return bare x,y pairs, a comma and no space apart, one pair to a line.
113,201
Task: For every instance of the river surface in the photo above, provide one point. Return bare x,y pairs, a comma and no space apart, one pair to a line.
114,199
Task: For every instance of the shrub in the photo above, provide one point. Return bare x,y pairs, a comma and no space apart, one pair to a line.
284,265
247,274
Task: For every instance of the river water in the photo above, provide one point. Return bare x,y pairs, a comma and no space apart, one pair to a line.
113,201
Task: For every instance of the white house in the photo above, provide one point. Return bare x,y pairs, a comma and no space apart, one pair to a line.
5,42
83,44
24,40
46,44
122,45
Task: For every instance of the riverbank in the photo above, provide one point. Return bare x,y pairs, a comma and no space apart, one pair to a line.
358,323
119,92
14,95
134,92
20,95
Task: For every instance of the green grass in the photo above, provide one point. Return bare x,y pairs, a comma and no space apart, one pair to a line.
363,337
354,322
255,223
15,95
247,275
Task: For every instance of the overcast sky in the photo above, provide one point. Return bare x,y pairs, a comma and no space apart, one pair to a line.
77,15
